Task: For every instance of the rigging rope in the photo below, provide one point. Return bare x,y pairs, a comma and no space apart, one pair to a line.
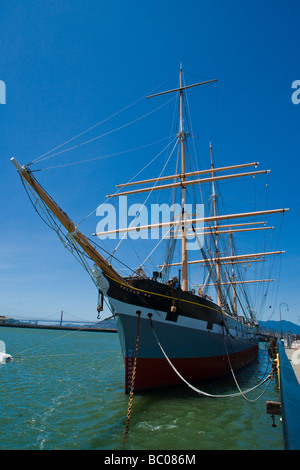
101,157
99,123
63,336
100,136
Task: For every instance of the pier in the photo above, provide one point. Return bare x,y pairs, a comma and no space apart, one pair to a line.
290,352
289,382
288,369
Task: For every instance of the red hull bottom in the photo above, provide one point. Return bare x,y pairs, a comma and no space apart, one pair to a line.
156,373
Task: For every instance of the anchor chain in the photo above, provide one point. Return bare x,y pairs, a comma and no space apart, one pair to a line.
132,379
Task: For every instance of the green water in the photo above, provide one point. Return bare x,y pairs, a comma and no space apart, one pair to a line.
64,390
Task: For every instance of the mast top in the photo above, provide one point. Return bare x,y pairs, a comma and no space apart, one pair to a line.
181,88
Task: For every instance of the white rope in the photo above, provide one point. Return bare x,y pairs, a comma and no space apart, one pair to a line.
201,392
54,339
84,132
44,157
236,382
96,125
103,156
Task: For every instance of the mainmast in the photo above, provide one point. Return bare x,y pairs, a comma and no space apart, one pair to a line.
181,138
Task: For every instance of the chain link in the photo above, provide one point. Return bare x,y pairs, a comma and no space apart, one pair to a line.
132,379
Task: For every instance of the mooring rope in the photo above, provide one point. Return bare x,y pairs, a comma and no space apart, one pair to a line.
84,328
201,392
236,382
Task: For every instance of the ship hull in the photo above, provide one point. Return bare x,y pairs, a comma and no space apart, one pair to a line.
199,340
157,372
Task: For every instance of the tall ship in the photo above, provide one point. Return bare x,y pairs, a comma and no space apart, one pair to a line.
172,326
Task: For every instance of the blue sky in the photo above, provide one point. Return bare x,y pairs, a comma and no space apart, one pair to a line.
69,65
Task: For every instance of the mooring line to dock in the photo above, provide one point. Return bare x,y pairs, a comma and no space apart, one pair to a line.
201,392
236,382
230,335
63,336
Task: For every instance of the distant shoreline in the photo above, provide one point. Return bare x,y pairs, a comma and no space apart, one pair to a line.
57,327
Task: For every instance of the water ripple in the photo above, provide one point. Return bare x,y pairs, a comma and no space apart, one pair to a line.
66,392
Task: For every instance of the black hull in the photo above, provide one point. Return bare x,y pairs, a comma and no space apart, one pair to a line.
147,293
